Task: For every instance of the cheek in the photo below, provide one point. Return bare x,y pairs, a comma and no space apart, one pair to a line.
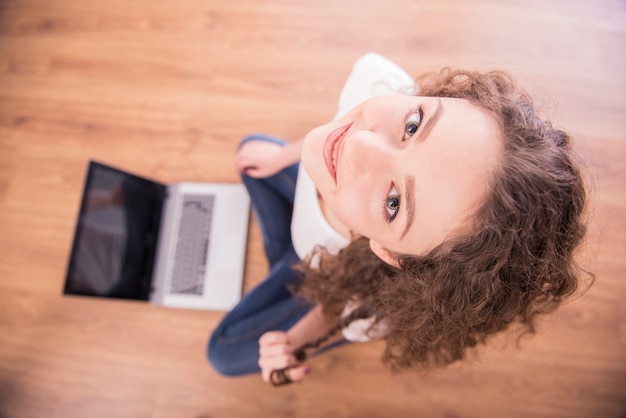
309,143
352,207
311,154
314,134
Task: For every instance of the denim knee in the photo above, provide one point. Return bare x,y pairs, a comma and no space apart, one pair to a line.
231,360
216,357
262,137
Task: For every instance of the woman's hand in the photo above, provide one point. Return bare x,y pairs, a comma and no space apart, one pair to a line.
275,353
261,159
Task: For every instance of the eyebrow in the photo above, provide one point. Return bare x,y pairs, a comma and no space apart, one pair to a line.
409,183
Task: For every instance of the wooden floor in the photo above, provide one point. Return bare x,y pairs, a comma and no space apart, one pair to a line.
166,88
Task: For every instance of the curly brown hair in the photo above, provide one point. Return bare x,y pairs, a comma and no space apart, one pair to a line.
515,262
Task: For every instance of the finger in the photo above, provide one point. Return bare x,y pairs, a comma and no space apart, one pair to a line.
243,162
243,158
271,350
250,170
274,337
254,173
296,374
249,167
267,364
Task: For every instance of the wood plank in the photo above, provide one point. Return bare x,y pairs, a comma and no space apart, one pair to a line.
167,89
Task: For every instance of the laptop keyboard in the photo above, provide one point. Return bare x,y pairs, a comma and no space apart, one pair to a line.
192,244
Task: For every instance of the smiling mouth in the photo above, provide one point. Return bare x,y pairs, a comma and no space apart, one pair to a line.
332,147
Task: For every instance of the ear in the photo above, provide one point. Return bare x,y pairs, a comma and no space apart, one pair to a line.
384,254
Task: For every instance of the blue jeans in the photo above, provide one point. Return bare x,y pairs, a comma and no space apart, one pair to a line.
233,348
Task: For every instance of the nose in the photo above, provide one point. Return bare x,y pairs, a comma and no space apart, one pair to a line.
366,152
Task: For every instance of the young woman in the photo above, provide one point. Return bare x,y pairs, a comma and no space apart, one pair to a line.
432,221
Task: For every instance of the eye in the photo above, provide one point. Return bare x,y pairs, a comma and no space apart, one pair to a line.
392,204
413,122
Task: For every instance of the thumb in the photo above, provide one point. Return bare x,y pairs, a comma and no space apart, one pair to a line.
298,373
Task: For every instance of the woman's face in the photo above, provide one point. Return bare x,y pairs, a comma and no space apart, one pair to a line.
404,171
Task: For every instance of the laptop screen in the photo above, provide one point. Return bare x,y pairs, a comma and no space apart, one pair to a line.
116,235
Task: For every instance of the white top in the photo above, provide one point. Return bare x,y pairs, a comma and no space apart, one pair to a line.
372,75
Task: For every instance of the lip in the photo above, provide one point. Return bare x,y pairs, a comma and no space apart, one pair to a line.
332,147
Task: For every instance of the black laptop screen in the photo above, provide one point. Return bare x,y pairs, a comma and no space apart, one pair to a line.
116,235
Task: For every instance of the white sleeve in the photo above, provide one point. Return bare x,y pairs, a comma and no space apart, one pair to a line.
373,75
365,329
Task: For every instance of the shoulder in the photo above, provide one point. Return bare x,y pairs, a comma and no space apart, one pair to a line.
373,75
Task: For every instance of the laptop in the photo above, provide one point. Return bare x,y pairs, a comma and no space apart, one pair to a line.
180,245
